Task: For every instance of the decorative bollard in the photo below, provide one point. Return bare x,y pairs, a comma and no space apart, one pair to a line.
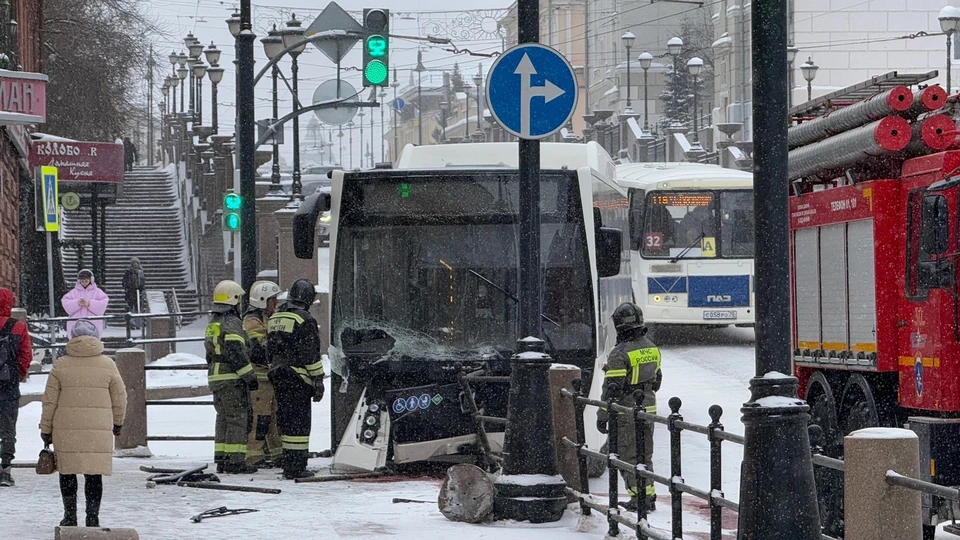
131,362
530,488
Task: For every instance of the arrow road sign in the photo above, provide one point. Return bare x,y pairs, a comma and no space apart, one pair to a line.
398,104
532,91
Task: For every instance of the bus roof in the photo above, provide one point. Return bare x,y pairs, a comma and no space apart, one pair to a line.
505,155
649,176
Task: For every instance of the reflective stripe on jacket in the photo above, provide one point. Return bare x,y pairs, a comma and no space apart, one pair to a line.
225,342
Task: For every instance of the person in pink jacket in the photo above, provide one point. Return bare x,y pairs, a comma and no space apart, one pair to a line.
85,300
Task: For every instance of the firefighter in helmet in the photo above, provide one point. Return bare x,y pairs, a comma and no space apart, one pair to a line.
263,444
230,377
293,347
634,364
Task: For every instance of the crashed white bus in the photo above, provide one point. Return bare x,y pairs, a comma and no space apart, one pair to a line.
424,284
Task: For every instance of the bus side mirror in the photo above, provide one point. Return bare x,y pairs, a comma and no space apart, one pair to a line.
305,224
609,246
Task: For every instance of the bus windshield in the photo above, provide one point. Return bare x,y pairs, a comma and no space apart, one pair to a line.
428,263
698,225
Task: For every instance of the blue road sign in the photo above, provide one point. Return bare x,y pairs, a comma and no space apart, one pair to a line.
531,90
51,209
398,104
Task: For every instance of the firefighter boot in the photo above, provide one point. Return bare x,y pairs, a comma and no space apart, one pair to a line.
238,468
295,465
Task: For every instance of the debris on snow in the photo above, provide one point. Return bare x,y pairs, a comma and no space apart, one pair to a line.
138,452
467,494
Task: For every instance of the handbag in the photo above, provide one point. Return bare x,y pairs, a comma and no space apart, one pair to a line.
47,461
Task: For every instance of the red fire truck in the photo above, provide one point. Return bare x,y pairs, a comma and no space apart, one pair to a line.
875,240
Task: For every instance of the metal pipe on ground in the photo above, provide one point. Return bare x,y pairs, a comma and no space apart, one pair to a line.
228,487
897,100
887,136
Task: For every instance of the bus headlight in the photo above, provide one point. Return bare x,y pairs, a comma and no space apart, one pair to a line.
656,299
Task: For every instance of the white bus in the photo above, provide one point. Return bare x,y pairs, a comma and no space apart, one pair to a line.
424,277
692,241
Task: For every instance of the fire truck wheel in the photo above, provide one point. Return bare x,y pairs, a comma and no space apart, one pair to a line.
859,409
823,410
823,413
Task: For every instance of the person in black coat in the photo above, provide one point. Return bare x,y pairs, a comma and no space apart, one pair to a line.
129,154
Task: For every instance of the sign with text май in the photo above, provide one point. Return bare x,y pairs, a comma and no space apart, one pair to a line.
80,161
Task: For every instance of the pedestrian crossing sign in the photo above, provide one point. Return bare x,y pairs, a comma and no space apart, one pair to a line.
51,200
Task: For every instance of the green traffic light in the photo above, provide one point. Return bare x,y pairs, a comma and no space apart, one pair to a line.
231,221
376,46
376,73
231,201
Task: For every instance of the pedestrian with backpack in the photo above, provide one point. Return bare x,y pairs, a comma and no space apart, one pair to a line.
15,357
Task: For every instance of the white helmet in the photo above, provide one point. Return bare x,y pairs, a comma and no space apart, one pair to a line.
228,293
261,291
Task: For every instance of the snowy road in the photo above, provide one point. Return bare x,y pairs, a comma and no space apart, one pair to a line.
702,368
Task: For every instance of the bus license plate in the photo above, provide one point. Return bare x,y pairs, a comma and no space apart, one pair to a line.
718,315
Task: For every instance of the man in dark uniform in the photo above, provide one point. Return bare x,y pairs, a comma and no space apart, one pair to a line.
230,377
293,345
634,364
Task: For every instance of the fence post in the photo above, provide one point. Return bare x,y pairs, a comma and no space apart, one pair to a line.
613,484
716,520
578,411
131,362
638,425
676,496
127,320
872,508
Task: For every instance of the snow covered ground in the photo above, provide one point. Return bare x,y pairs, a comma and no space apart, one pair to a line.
701,368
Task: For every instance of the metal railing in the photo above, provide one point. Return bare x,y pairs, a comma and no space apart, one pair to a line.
168,403
54,324
678,487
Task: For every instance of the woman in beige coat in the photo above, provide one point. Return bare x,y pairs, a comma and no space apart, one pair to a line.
83,408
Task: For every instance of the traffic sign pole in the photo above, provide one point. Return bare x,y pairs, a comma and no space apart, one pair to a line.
51,221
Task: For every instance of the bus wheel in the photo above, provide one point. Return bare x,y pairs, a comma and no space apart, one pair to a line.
823,413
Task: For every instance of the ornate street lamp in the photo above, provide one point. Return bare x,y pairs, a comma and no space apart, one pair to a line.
395,84
791,56
809,71
199,70
182,75
420,69
949,18
478,82
212,53
272,47
628,38
646,60
694,66
292,34
674,48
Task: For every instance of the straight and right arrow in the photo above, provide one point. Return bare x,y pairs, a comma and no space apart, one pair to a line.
548,92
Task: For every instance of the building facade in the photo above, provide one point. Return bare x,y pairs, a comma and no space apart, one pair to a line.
21,54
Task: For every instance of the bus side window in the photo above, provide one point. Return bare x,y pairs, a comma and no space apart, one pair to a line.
637,201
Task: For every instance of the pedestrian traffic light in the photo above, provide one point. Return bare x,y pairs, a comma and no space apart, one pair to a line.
231,211
376,46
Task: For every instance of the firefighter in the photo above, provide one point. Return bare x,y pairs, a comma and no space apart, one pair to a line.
230,377
293,346
634,364
263,444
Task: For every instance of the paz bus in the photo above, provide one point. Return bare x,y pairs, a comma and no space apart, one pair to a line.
691,243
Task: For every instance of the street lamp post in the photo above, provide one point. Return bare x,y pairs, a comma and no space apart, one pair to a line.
373,99
478,81
444,111
199,70
949,18
419,69
809,71
674,48
151,66
182,75
383,126
350,125
361,114
215,72
791,56
395,84
694,66
628,38
272,47
646,59
340,136
292,34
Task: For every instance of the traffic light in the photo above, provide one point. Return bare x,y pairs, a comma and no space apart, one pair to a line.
376,46
231,211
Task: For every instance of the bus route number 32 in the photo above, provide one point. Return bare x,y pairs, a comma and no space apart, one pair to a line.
653,241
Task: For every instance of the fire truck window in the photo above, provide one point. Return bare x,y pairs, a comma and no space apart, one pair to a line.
914,228
936,225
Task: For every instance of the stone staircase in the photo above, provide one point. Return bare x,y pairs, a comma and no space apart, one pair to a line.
145,222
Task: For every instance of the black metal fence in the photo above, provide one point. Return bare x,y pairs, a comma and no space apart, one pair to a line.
44,332
675,424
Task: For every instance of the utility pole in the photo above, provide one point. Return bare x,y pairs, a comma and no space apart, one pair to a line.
246,120
780,506
528,31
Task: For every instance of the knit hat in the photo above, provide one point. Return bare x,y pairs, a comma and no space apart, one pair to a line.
84,327
85,274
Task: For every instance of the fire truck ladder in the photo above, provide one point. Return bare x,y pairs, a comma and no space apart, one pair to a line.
856,93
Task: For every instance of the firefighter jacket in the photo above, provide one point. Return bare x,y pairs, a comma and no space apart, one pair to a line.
293,341
228,358
633,365
256,330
